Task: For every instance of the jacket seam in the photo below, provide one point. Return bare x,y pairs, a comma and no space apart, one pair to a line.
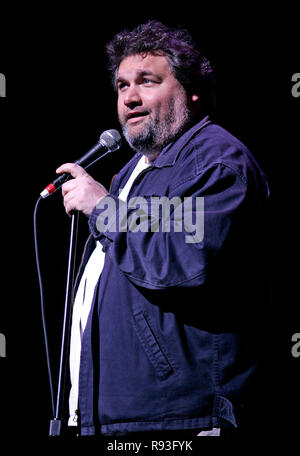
216,373
159,420
166,285
202,171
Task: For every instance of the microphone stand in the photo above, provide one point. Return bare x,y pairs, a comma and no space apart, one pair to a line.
56,424
110,141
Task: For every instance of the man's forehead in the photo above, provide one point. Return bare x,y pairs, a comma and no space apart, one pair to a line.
139,64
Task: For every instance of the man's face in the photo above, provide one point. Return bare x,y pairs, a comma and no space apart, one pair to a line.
152,104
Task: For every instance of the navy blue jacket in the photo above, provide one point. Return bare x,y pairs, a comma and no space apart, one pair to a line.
171,340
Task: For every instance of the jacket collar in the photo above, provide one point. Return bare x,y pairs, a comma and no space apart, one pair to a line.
169,154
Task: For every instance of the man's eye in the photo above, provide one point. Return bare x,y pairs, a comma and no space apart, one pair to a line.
147,81
121,85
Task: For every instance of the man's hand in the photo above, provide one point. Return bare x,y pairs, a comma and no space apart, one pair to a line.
81,193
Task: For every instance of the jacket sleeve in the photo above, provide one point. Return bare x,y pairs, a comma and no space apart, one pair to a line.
160,242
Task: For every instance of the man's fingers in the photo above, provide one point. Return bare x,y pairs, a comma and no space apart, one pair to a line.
71,168
68,199
69,206
68,186
81,193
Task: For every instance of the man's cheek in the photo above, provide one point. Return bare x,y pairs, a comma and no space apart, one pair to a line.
120,113
121,118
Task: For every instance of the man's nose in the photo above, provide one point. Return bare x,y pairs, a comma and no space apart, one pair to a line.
132,97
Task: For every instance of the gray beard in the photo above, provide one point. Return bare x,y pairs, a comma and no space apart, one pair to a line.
158,134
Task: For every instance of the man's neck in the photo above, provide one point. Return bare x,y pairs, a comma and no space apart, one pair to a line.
150,158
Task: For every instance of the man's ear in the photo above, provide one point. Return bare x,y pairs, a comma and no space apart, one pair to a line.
194,102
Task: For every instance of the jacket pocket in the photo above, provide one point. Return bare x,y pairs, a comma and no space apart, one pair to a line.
151,345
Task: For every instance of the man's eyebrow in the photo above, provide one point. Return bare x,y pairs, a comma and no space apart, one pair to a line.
138,75
120,79
148,73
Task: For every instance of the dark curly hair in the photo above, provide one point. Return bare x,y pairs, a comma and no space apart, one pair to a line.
188,64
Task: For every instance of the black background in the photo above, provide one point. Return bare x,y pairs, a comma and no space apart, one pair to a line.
59,100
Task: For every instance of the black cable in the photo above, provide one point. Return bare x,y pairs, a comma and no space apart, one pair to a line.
56,423
42,303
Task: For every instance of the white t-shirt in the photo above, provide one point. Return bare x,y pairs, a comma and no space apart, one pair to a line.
83,302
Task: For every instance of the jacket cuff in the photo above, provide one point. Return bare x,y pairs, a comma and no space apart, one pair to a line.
102,220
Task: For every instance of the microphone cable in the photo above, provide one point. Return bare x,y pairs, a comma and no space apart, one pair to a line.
110,141
41,290
42,303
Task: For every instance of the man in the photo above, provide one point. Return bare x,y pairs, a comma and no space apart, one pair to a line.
163,335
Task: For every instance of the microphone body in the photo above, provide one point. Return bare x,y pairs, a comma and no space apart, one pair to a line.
110,141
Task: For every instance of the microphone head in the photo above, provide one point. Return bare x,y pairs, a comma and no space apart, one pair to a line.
111,139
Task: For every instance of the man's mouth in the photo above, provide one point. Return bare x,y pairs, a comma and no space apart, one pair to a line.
136,116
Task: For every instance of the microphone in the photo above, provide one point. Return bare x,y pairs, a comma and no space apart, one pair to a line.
109,141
